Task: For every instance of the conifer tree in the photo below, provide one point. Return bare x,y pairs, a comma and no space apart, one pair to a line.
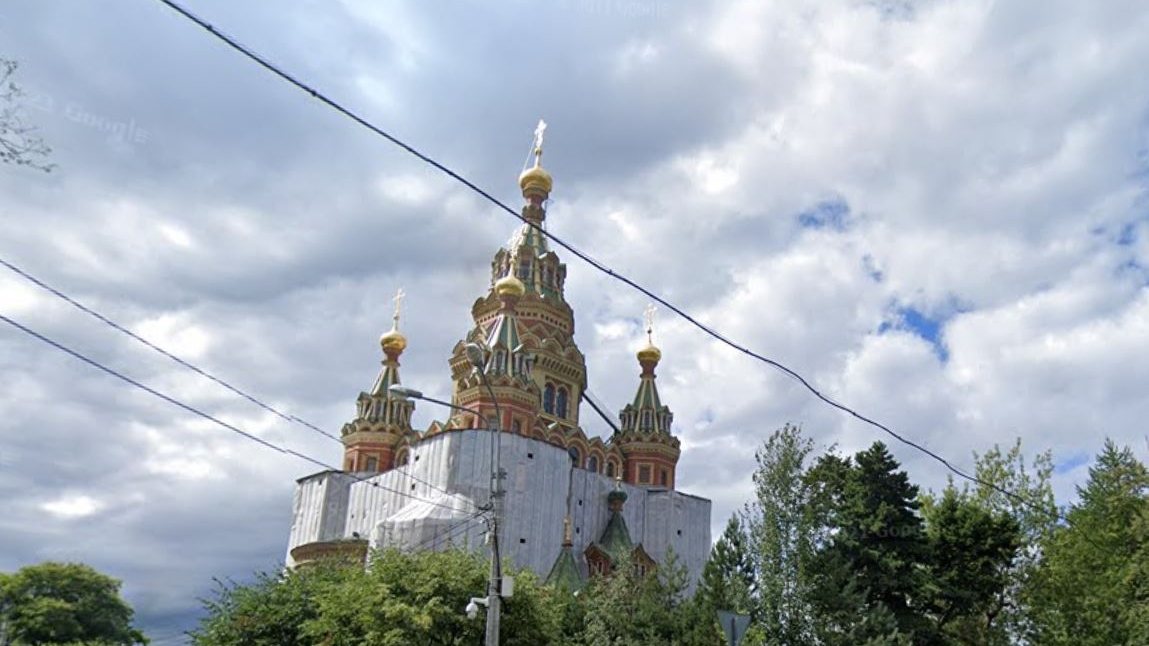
871,573
971,552
728,576
1087,592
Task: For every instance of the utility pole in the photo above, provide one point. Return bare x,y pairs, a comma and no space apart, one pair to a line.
477,357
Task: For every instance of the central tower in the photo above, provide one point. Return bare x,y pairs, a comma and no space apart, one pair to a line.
536,369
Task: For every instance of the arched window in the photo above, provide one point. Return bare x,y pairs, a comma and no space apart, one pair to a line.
549,399
646,420
561,406
372,464
610,469
525,269
517,427
500,361
592,464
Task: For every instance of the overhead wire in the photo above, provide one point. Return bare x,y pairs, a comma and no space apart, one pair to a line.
454,530
601,267
207,416
190,366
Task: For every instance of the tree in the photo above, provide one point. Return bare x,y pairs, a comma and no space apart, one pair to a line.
273,609
633,608
1033,507
19,144
870,575
1087,592
401,598
61,603
728,576
971,551
784,522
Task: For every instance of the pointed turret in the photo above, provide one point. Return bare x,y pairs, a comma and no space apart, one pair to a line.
615,547
565,573
527,255
649,449
527,327
504,340
375,440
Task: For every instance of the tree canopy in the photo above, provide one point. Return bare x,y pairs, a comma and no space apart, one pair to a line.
64,603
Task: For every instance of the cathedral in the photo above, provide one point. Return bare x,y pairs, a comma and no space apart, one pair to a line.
574,503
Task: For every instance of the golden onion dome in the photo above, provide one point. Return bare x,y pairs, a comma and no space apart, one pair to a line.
537,178
649,353
393,341
510,286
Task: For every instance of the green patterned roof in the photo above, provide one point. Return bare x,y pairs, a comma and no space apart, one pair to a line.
616,538
529,237
565,573
388,377
647,395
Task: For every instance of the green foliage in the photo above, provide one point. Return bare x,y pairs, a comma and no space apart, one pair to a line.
62,603
272,610
785,521
728,576
1089,591
630,609
971,552
402,598
873,567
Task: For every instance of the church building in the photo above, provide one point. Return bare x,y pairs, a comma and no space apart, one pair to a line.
574,504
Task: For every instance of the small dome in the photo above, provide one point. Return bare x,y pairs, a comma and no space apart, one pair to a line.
393,341
536,178
616,495
649,354
510,286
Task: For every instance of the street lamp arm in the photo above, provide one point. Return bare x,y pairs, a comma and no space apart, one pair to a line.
411,393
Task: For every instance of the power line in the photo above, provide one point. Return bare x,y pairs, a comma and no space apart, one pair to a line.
207,416
601,267
190,366
452,531
123,330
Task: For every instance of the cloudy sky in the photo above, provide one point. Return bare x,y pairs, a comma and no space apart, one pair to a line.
936,210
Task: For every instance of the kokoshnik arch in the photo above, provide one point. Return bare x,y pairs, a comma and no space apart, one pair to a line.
575,504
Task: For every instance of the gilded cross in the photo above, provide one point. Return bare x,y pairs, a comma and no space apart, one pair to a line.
649,312
399,295
539,131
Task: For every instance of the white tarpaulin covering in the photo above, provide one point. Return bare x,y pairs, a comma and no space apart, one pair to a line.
431,524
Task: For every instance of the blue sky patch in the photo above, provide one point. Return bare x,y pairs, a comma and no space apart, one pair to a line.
871,268
909,319
828,214
1128,234
1071,463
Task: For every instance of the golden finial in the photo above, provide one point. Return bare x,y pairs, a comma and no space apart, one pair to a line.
535,177
649,313
393,342
650,353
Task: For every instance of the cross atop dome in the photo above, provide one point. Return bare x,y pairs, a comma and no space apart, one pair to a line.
399,296
649,313
540,130
393,342
535,182
649,356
